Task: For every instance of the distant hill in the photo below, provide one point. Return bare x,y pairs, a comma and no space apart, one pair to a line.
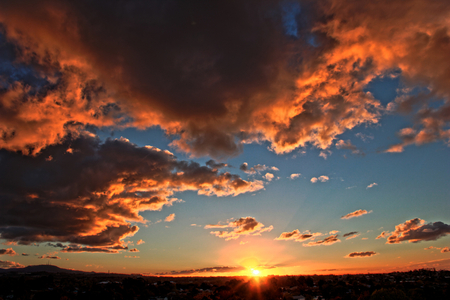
42,268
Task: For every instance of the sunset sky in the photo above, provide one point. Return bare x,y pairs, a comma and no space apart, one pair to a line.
211,138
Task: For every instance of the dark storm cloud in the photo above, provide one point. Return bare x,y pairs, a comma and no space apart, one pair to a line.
89,195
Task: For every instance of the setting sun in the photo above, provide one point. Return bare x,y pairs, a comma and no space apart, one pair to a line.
256,272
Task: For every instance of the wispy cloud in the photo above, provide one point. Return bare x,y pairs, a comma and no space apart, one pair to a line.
371,185
356,213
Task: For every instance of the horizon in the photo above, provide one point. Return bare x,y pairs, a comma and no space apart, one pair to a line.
229,138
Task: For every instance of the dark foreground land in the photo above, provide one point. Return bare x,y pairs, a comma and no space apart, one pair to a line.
58,284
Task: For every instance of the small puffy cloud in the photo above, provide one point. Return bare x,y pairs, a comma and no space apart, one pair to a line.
327,241
140,242
45,256
324,154
5,264
361,254
9,251
445,250
295,175
170,218
241,227
25,254
371,185
269,176
357,213
243,243
297,236
322,178
416,230
351,235
133,250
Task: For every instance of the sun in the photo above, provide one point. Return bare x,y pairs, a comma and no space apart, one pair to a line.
256,272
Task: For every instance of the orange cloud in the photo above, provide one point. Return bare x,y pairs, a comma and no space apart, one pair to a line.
170,218
416,230
109,184
9,251
327,241
242,226
297,236
140,242
356,213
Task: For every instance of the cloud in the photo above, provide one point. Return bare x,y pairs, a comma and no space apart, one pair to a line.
361,254
107,187
416,230
295,175
256,168
133,250
327,241
8,251
383,235
214,165
351,235
25,254
256,83
298,236
322,178
5,264
170,218
357,213
269,176
221,269
371,185
140,242
241,227
134,256
341,144
49,257
445,250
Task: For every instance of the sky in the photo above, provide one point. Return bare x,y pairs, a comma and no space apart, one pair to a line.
212,138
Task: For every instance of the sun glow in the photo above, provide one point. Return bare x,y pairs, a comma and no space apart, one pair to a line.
256,272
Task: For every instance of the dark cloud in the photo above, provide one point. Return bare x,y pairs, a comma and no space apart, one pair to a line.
416,230
214,84
214,165
204,270
356,213
9,251
445,250
297,236
341,144
242,226
49,257
5,264
361,254
25,254
89,195
351,235
133,250
327,241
